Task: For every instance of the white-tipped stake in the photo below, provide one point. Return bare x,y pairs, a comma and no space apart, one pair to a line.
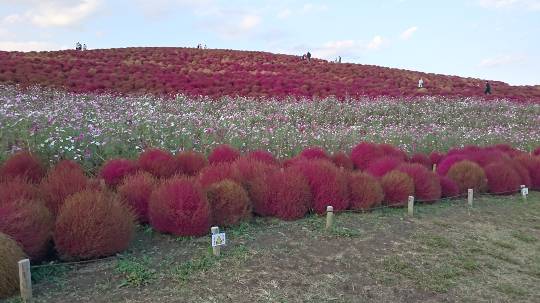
470,196
215,249
524,193
329,217
25,280
434,167
410,206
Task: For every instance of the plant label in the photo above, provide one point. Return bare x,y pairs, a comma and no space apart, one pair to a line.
524,191
218,239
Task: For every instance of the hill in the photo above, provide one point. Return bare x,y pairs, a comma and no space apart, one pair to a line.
217,73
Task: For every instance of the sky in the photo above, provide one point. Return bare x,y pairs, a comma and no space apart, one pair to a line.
488,39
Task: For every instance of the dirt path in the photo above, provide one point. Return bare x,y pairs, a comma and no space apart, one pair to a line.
446,253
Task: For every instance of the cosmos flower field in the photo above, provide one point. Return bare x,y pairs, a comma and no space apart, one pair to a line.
92,128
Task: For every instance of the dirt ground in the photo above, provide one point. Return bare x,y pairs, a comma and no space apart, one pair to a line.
447,252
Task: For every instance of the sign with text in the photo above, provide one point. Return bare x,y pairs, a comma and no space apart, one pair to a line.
218,239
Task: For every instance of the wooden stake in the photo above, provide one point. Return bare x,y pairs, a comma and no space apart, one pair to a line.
215,249
329,217
410,206
470,197
434,167
524,192
25,280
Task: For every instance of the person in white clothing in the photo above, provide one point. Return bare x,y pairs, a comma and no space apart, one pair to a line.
420,83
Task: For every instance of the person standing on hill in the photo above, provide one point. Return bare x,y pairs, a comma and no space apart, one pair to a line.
420,83
487,91
84,47
308,56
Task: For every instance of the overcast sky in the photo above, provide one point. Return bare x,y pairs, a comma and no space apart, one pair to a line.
490,39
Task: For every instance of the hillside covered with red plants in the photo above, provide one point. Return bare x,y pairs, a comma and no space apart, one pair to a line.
217,73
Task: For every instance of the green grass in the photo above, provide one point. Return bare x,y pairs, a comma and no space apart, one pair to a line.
136,271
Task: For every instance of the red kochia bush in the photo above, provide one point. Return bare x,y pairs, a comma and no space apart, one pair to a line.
9,271
341,159
421,159
390,150
30,223
190,162
223,154
23,165
229,203
180,207
436,157
427,187
314,152
113,171
384,165
365,191
502,178
65,179
16,189
328,185
365,153
158,162
263,156
397,187
136,190
444,166
468,174
218,172
288,196
532,164
93,224
449,188
536,152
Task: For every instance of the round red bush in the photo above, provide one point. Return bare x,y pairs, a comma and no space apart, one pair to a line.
468,175
390,150
363,154
30,223
229,203
341,159
180,207
23,165
93,224
436,157
449,188
536,152
16,189
63,180
444,166
382,166
263,156
427,187
532,164
365,191
158,162
9,271
190,162
113,171
502,178
223,154
328,185
218,172
523,173
397,188
136,191
315,152
288,195
421,159
487,156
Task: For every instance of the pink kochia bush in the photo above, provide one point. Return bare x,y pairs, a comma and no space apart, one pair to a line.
217,173
180,207
536,152
328,185
23,165
341,159
445,164
113,171
223,154
384,165
502,178
136,191
93,224
229,202
16,189
30,223
363,154
158,162
288,196
449,188
365,191
65,179
532,164
397,187
427,187
421,159
312,153
190,162
263,156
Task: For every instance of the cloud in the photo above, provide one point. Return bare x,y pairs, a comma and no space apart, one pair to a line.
249,22
54,13
310,7
375,43
159,8
533,5
286,13
502,60
27,46
408,33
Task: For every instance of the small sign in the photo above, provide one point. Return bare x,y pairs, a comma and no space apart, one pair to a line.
524,191
218,239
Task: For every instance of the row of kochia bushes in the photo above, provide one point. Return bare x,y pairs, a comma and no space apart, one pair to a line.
63,213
